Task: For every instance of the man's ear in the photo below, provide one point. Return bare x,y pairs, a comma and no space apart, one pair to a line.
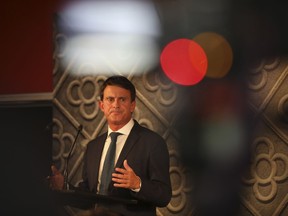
100,104
132,107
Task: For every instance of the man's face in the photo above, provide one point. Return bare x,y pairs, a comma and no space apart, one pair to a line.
117,106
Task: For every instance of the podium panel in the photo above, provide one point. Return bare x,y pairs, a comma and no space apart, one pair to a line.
86,200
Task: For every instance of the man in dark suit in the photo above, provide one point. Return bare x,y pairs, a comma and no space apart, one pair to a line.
141,159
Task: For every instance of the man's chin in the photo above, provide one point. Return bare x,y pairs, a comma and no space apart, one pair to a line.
116,121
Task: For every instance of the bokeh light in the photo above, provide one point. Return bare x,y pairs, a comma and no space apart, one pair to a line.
115,36
184,62
219,53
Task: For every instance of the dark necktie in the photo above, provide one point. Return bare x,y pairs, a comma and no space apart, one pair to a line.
108,166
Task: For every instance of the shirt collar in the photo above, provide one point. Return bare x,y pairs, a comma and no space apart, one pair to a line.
125,130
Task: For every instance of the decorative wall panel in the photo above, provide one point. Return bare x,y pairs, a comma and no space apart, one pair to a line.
265,186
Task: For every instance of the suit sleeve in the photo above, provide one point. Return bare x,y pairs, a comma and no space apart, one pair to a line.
83,185
156,186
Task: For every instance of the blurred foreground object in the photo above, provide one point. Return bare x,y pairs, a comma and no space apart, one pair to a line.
111,36
214,143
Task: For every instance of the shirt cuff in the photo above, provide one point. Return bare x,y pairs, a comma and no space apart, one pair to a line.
138,189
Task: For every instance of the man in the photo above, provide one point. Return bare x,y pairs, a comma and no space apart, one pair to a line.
141,161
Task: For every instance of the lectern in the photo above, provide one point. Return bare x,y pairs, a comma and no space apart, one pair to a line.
86,200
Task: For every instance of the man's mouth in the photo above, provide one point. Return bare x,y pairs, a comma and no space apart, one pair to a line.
115,112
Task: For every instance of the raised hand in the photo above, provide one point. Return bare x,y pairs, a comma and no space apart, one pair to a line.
126,178
56,179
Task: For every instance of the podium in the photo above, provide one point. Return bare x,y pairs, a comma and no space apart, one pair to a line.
86,200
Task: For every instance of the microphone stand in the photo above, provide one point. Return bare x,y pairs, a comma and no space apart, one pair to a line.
66,183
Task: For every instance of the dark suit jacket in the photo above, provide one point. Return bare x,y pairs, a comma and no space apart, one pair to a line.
147,154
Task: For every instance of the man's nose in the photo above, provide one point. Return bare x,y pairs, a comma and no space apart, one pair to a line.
116,102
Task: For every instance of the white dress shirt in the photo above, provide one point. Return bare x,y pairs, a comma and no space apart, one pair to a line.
119,145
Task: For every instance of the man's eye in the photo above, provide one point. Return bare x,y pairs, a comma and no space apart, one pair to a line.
122,99
110,99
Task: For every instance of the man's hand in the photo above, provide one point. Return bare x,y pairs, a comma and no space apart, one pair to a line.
126,178
56,180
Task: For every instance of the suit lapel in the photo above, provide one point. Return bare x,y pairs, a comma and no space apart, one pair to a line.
97,158
130,142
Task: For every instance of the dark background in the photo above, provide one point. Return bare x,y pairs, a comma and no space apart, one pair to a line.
26,154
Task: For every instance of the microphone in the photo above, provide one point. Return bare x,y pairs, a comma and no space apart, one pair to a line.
66,184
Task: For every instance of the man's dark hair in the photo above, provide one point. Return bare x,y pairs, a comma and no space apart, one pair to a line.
119,81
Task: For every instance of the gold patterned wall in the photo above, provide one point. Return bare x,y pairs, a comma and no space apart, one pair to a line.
264,187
